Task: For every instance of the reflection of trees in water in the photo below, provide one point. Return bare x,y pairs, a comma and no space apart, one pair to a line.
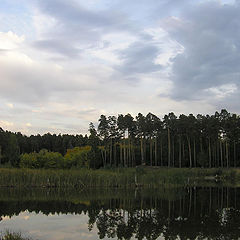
151,224
201,213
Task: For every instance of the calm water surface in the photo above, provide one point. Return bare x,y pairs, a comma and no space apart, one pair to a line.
189,213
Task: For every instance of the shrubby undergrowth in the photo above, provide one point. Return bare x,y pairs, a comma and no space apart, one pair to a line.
78,157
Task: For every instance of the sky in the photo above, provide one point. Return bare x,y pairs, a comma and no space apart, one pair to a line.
64,63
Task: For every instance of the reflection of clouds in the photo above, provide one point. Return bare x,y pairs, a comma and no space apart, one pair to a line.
53,226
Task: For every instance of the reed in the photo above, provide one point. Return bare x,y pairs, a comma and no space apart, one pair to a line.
8,235
119,177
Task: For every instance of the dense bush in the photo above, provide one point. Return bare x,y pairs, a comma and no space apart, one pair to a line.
43,159
29,160
78,157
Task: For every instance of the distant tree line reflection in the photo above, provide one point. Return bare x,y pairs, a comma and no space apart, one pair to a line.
192,213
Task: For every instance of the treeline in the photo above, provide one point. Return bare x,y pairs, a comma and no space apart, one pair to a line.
174,141
12,145
184,141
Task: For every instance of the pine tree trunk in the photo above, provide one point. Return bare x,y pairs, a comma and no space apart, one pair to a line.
173,155
124,152
227,154
120,149
150,146
234,153
127,154
129,150
142,155
194,154
217,154
133,154
156,162
190,152
115,154
111,153
201,147
180,152
161,152
183,149
169,148
0,154
209,152
221,153
102,155
144,150
105,157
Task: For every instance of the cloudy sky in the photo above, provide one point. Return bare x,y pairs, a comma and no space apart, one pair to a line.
63,63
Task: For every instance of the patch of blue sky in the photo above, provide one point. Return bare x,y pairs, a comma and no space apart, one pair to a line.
96,4
16,16
137,12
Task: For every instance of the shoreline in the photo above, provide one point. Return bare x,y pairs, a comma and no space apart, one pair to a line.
118,178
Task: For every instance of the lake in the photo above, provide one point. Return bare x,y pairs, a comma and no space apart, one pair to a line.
176,213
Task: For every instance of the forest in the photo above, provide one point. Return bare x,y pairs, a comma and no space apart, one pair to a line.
124,141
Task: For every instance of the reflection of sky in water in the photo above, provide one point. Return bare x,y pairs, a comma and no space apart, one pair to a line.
51,227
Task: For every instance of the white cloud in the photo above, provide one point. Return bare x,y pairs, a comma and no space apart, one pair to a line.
222,91
10,40
10,105
6,124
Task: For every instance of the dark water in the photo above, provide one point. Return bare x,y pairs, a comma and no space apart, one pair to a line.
190,213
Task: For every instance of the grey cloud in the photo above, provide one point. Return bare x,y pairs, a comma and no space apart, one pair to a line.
35,84
69,126
19,85
231,103
77,26
139,58
71,112
72,12
149,11
210,35
57,46
86,112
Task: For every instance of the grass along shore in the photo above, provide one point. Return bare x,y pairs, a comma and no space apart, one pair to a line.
119,177
7,235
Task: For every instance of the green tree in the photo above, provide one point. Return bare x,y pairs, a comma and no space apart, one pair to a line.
94,155
103,130
12,151
141,133
29,160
